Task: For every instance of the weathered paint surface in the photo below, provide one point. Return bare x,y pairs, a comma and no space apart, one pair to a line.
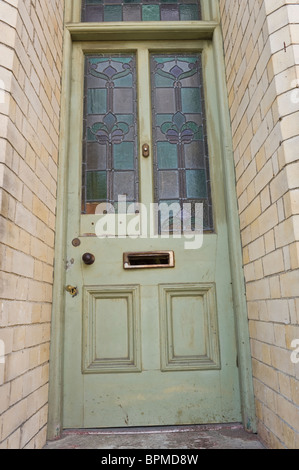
128,333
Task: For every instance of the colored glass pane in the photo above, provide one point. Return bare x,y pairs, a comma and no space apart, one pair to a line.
191,101
110,167
167,155
168,184
131,13
189,12
96,186
196,184
181,163
140,10
96,157
123,156
170,12
112,13
96,101
124,185
150,12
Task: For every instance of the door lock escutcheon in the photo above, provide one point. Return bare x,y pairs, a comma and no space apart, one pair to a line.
145,150
72,290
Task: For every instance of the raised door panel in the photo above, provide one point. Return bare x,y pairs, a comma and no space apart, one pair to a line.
111,329
189,327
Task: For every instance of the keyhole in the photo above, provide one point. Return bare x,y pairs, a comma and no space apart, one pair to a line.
145,150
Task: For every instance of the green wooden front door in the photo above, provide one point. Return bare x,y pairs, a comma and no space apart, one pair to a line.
149,325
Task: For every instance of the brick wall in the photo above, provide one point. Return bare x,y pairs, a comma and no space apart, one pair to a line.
30,75
261,43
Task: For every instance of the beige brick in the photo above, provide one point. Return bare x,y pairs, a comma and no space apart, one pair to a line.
5,397
275,291
268,219
33,357
265,374
258,290
289,283
294,255
12,419
289,436
279,186
253,311
250,213
291,203
281,360
290,150
288,412
40,439
22,264
7,57
13,441
278,310
40,210
258,269
29,429
294,390
8,285
256,249
273,263
12,184
280,335
285,232
39,250
290,126
292,332
19,337
262,331
261,352
271,420
269,241
265,199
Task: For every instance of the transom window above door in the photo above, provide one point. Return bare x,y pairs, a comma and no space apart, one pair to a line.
140,10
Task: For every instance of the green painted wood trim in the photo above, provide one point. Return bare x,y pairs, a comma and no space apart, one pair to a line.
238,281
162,30
209,10
57,322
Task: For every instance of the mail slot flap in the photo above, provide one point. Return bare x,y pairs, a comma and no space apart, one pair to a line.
150,259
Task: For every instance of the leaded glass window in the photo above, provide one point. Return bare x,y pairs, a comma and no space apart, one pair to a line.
110,166
140,10
181,161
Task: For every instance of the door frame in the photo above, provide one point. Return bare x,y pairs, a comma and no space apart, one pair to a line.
209,29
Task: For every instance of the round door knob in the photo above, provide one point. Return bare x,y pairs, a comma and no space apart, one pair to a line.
88,258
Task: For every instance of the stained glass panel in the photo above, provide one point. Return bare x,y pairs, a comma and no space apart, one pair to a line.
140,10
179,134
110,165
